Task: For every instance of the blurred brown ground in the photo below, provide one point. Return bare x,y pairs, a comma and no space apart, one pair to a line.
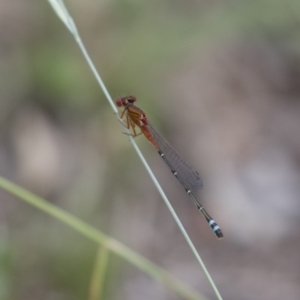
220,79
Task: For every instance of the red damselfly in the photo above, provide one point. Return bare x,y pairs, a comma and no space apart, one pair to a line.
186,175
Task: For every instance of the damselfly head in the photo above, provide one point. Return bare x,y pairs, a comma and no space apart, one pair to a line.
119,102
124,101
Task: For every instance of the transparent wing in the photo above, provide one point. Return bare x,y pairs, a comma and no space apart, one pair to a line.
190,177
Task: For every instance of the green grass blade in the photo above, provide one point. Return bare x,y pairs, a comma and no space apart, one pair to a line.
72,27
98,278
100,238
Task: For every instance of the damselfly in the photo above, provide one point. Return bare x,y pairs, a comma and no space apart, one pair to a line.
186,175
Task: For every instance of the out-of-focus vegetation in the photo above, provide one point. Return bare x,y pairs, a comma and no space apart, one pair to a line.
220,79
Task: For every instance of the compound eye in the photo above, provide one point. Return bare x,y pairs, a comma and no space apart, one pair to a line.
119,102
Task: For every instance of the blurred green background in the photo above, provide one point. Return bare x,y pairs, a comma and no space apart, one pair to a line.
220,80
